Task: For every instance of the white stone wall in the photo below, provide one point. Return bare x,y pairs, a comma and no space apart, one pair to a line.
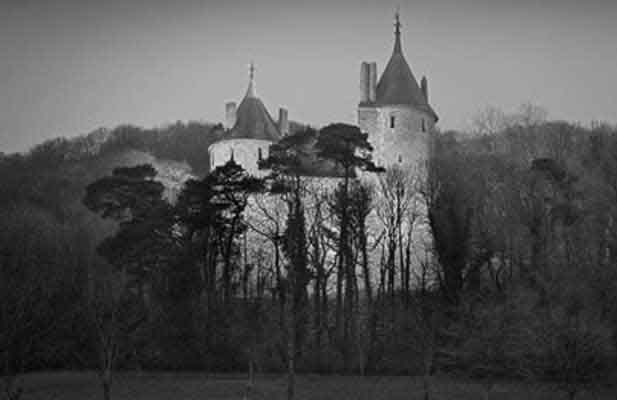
265,212
245,152
407,143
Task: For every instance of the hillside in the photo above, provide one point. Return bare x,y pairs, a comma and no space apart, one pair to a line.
52,176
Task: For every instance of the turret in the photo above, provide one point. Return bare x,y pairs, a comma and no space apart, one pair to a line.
250,132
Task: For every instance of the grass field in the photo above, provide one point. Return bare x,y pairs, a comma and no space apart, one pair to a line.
189,386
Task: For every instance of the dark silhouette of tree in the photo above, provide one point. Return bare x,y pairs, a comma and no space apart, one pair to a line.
350,150
286,179
450,213
113,315
210,212
39,286
360,209
139,251
144,243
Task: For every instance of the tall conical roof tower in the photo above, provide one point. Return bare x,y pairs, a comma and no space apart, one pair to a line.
398,84
249,131
395,114
253,121
394,110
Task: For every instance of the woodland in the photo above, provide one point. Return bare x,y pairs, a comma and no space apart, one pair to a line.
106,266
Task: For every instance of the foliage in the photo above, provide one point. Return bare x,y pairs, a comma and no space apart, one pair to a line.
519,281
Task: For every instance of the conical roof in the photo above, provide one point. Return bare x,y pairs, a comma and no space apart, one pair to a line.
397,84
252,118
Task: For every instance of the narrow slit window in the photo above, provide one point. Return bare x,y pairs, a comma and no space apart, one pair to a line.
392,121
400,158
259,155
423,125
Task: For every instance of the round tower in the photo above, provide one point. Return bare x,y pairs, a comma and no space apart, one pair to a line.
250,132
398,119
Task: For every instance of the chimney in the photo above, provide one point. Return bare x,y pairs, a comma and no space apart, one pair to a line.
283,121
230,115
425,88
372,82
364,82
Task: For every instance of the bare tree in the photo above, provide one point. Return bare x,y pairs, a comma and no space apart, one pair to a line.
573,353
113,314
319,257
528,115
489,121
349,149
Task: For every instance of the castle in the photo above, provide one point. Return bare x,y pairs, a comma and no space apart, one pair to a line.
394,111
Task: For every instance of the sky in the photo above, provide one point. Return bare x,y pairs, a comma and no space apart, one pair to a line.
68,67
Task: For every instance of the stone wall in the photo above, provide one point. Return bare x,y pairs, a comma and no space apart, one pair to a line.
406,143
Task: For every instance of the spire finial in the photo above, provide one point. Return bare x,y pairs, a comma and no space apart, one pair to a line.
251,89
397,31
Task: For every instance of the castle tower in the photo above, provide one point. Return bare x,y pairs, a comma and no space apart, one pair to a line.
250,130
395,111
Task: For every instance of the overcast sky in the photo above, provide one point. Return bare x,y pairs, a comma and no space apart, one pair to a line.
70,66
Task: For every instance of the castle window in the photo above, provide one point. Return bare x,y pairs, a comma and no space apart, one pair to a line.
259,155
391,121
400,158
423,125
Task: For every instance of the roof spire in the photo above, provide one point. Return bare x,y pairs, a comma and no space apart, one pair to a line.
251,89
397,32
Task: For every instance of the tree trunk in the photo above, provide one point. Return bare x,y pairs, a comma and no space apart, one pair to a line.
428,365
401,250
426,384
318,316
291,352
339,297
251,379
487,391
408,267
11,389
280,289
343,300
347,264
392,271
106,382
372,316
381,289
325,309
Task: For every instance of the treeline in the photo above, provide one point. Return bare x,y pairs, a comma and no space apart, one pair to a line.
290,273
